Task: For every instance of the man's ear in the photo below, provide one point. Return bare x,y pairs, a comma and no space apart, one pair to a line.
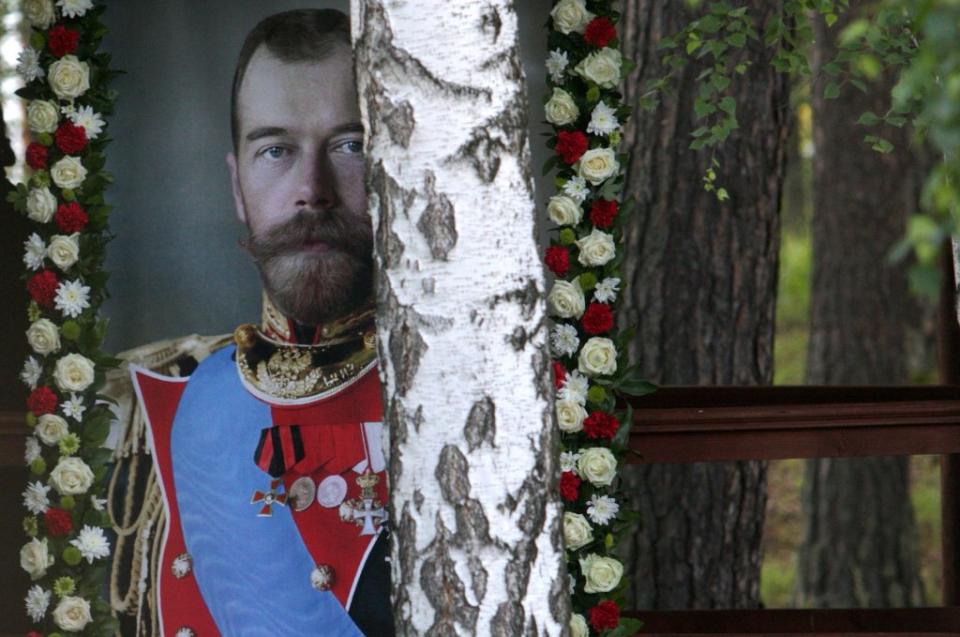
235,185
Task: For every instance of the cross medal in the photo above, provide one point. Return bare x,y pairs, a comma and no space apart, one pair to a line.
268,499
365,511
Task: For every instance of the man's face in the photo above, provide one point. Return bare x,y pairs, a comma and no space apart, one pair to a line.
298,184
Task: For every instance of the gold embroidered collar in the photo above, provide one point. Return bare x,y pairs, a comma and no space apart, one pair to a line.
281,369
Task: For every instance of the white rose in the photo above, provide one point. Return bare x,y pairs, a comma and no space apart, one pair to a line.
43,116
35,558
598,164
570,415
72,614
578,626
597,465
74,372
560,109
69,77
41,204
64,250
601,67
566,299
597,248
51,428
564,211
43,336
570,15
598,357
68,173
602,573
71,476
39,13
577,532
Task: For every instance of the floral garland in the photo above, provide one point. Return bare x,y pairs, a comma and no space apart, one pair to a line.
66,88
590,362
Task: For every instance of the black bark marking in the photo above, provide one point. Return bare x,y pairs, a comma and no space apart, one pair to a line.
508,622
418,499
478,577
438,223
528,296
452,475
390,194
519,338
491,20
481,424
399,120
502,134
405,346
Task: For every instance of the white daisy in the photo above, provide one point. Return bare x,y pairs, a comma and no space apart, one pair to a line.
575,387
38,600
602,509
35,498
98,503
34,251
564,340
90,120
74,407
603,120
32,450
28,65
576,188
72,298
606,290
74,8
568,460
557,63
68,109
92,543
30,375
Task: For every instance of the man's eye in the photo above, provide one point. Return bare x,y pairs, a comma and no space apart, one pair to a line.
273,152
352,147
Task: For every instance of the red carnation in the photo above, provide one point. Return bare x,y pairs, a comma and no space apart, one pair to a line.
42,401
605,615
602,213
569,486
600,424
571,145
37,156
70,217
70,138
42,287
559,374
598,319
599,32
62,41
558,260
58,522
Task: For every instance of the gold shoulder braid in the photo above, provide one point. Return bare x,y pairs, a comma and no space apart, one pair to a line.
288,370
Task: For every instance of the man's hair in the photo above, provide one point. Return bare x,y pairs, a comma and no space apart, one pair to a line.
301,35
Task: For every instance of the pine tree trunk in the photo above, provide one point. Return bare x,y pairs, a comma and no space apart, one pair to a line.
474,502
859,546
702,288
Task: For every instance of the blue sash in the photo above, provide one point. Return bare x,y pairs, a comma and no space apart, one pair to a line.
253,572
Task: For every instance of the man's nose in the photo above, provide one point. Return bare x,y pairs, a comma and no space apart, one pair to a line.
317,188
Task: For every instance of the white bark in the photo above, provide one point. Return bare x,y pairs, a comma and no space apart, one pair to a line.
474,506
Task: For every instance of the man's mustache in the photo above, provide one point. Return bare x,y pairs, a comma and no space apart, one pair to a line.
308,226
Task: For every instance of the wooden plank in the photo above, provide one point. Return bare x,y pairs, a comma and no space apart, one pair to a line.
845,621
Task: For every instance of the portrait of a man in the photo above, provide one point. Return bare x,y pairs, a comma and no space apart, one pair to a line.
268,452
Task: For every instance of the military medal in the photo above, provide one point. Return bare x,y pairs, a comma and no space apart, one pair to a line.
331,491
268,499
366,511
302,492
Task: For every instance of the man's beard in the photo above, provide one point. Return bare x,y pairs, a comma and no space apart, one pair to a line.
315,287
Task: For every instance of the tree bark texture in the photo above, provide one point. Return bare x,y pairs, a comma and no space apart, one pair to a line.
859,546
477,542
701,279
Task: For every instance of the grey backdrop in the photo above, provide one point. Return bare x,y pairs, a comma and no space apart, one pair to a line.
175,265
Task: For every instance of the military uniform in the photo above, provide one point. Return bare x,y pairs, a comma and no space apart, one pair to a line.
270,460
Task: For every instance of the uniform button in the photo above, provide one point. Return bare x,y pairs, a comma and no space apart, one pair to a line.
181,566
184,631
322,577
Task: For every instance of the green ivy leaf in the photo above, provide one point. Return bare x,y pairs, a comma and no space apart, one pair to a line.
832,91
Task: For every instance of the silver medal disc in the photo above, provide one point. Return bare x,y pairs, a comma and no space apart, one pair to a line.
331,491
302,492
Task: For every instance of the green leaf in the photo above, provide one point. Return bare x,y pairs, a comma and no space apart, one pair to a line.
868,119
832,91
830,19
728,105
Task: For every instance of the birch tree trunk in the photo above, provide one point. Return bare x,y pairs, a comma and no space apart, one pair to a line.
467,393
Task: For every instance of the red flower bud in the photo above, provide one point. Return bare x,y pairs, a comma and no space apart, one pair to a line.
62,41
569,486
70,138
605,615
600,32
58,522
597,319
602,213
600,424
42,401
558,260
37,156
559,374
70,217
42,287
571,145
